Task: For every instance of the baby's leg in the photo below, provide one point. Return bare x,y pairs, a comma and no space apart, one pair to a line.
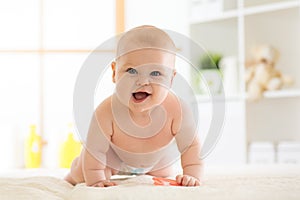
73,178
76,172
75,175
69,179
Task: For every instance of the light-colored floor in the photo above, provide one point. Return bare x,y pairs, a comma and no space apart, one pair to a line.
259,182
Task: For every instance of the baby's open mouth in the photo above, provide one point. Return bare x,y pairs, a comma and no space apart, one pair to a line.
140,96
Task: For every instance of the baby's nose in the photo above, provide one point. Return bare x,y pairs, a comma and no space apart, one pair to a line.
143,80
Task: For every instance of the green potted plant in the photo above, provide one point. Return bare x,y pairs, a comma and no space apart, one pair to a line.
210,61
208,78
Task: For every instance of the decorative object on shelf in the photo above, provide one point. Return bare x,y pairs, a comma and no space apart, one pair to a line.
206,8
288,152
229,68
261,74
210,72
261,153
210,61
209,80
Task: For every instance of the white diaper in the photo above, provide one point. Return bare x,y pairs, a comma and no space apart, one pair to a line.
129,170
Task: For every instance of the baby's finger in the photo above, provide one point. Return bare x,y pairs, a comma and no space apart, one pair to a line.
185,180
99,184
191,182
197,183
108,184
179,179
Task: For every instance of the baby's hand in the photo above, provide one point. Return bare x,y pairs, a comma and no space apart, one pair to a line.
104,183
186,180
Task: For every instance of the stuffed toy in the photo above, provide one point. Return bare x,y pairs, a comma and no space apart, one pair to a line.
261,74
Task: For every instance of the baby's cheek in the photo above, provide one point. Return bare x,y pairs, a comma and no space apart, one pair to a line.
162,89
124,88
162,81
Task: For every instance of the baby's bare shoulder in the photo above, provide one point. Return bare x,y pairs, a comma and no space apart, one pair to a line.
104,106
172,104
176,105
103,116
103,112
180,112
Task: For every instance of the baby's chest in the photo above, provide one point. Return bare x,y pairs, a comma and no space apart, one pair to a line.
146,142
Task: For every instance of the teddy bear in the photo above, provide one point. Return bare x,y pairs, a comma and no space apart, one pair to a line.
261,74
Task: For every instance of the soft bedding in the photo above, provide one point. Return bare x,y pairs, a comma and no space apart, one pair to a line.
268,182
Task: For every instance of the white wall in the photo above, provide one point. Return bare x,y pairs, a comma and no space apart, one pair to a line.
167,14
66,25
70,29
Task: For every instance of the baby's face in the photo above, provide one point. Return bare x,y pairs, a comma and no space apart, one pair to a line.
143,78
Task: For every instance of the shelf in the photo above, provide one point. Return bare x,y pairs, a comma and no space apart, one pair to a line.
247,11
282,93
223,16
271,7
274,117
285,93
207,98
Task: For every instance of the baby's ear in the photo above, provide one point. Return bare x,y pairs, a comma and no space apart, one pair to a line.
113,67
174,74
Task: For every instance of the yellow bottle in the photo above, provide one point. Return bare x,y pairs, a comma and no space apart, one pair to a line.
33,149
69,150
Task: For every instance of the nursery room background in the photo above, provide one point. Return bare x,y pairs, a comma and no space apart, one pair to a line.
255,44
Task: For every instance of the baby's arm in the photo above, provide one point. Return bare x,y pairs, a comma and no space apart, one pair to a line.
97,145
189,145
192,165
93,169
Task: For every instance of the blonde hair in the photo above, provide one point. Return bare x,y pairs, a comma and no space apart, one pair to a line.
143,37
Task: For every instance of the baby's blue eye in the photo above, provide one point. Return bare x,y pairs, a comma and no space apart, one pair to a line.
131,71
155,73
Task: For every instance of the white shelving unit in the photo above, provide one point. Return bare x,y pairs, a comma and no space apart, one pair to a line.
241,25
282,94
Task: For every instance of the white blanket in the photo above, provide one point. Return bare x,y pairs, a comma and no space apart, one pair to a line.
275,184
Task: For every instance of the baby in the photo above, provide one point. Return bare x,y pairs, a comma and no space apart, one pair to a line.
142,128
